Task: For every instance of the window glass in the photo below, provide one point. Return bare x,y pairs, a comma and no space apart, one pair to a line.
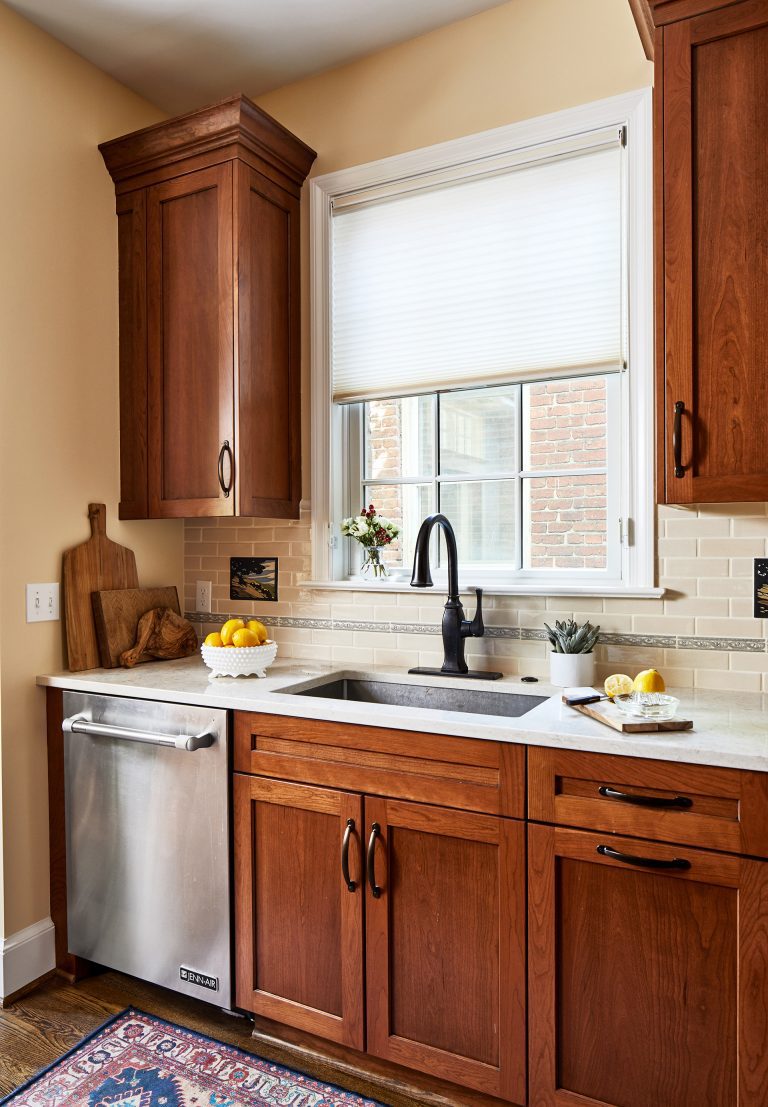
565,522
400,438
478,431
565,423
404,504
484,517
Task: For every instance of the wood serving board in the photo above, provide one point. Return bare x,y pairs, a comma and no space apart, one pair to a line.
608,713
116,613
87,568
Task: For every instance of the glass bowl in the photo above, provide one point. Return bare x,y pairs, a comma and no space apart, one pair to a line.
648,705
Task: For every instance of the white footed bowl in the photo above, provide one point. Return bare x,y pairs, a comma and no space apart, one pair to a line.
239,660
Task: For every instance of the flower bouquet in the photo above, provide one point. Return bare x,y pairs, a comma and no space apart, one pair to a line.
373,532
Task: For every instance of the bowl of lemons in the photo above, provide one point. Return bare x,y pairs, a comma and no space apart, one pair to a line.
240,648
645,697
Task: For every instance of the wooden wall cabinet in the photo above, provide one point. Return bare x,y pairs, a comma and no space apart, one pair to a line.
208,242
711,64
438,985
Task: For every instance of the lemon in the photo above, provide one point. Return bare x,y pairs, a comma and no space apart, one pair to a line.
229,628
618,685
244,637
649,681
258,629
214,639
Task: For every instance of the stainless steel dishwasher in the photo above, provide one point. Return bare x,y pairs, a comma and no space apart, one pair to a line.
148,873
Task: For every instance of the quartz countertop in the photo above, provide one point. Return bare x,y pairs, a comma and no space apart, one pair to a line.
730,729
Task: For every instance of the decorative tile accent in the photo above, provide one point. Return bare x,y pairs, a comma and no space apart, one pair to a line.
528,634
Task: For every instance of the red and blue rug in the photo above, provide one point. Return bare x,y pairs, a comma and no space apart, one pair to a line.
138,1060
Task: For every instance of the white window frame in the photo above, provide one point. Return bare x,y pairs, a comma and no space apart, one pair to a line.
330,481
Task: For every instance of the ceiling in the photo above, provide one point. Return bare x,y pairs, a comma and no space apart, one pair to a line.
183,54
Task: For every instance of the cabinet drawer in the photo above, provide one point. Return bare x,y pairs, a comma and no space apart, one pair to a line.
722,809
464,773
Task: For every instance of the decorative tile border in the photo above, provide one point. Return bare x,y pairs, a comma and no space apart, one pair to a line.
656,641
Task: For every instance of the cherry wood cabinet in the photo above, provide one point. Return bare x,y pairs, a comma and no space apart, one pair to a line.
388,924
647,974
208,242
299,925
711,63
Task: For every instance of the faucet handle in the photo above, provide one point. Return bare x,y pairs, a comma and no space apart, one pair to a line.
476,629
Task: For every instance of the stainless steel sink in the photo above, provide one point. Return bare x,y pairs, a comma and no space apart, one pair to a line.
508,704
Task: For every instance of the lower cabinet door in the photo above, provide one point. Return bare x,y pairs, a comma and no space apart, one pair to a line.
298,921
648,974
445,933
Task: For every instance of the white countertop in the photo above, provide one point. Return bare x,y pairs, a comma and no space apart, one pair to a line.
730,729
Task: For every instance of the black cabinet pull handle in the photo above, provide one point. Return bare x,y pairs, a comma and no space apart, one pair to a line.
351,884
226,451
677,439
682,803
644,862
375,889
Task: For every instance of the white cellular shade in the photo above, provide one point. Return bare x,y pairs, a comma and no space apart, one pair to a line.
489,279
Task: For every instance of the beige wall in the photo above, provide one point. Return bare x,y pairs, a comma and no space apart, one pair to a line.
59,398
523,59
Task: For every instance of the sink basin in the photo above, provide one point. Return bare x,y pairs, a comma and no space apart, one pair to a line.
475,701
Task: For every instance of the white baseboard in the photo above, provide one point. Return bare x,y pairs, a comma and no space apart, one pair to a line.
26,956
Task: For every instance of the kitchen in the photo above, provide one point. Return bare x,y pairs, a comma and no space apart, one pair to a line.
499,68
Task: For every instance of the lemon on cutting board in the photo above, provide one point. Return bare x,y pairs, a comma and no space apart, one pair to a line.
650,680
618,685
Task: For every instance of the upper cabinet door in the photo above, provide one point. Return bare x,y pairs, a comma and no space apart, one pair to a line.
269,348
190,355
445,939
714,161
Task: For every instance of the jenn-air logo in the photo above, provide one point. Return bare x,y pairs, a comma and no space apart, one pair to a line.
199,978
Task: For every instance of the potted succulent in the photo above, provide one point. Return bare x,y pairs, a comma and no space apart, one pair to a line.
374,533
572,662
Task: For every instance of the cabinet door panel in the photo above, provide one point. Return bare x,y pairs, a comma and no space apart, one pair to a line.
715,167
299,929
445,962
641,979
269,364
190,351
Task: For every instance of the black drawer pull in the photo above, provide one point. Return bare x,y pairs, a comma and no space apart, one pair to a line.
644,862
375,889
351,884
682,803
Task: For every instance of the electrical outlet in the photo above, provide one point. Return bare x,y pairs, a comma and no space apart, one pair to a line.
42,603
203,597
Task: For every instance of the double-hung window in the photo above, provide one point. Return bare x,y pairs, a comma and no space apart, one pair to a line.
482,347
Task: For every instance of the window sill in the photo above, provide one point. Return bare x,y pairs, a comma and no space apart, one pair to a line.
537,588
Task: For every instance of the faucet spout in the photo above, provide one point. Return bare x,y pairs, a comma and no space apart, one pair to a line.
455,627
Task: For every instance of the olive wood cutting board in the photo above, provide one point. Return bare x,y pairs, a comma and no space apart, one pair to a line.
608,713
87,568
117,612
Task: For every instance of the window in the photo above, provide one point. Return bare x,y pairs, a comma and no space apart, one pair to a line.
473,352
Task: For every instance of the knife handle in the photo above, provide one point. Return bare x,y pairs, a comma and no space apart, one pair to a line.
579,701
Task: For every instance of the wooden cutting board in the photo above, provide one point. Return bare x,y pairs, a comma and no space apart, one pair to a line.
116,613
608,713
96,564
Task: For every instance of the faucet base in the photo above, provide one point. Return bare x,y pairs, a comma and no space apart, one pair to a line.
471,674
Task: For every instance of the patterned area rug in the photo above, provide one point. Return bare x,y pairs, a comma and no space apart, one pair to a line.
138,1060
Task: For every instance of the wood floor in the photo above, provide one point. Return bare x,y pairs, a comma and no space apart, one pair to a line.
38,1028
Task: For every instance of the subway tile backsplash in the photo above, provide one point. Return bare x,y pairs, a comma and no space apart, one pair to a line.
701,634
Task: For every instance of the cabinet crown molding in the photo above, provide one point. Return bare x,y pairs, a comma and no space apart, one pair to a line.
228,126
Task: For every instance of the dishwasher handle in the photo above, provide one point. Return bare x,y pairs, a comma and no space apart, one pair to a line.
80,724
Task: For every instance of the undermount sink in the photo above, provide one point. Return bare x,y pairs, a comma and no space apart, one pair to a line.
474,701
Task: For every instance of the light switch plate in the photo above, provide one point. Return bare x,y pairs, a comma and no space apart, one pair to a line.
42,603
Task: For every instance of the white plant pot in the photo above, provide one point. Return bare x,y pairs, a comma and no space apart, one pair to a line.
572,670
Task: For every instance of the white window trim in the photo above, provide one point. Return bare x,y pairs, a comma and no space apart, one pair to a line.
632,110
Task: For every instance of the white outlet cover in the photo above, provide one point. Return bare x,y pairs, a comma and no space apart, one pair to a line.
203,595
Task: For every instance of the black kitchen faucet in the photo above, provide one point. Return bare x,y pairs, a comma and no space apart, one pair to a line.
455,627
